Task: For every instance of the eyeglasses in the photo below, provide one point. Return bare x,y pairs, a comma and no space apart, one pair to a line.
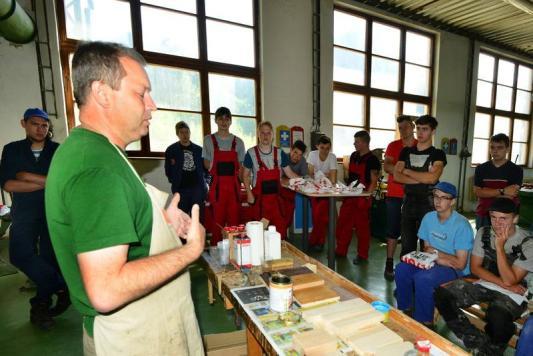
441,197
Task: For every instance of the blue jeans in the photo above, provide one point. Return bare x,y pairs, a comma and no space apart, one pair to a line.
524,346
30,250
417,285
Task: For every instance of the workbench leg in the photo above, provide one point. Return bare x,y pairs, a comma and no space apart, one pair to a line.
210,297
305,223
331,232
254,348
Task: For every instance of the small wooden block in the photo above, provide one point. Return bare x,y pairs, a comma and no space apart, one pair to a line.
315,314
368,344
279,264
314,342
345,327
315,295
308,280
396,349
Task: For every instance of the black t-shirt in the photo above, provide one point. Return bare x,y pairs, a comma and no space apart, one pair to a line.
420,161
188,175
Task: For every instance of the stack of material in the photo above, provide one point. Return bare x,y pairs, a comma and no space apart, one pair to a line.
313,296
314,342
336,311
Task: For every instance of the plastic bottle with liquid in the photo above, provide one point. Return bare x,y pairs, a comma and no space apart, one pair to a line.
274,243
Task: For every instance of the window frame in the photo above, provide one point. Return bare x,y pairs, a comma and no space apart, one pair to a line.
492,112
201,64
366,90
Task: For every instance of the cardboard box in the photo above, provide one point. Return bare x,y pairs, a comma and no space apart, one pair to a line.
233,343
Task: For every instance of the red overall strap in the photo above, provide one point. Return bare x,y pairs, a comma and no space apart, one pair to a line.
275,157
258,157
215,142
234,143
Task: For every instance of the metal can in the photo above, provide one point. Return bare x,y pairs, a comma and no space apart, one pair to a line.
280,293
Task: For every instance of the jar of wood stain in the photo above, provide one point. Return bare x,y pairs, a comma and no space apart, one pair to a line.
280,293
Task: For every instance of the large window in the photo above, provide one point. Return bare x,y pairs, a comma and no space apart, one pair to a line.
202,54
380,70
503,105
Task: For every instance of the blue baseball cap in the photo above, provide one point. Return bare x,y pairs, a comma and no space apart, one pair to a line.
31,112
447,188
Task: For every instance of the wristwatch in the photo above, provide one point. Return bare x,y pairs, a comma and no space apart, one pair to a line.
501,191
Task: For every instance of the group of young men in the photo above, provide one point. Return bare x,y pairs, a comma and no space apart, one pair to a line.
116,243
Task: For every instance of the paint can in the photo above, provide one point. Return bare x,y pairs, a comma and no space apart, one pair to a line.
280,293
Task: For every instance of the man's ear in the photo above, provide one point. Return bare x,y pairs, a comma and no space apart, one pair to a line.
23,123
101,93
516,218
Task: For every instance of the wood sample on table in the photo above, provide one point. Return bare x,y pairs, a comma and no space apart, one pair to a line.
314,342
308,280
396,349
349,326
367,342
315,314
273,265
315,295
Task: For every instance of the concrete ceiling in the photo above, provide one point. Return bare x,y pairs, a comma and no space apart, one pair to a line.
506,23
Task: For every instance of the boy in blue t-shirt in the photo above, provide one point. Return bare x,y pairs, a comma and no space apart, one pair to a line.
446,233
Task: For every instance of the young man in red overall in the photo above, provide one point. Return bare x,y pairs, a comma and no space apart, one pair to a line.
223,154
354,212
265,162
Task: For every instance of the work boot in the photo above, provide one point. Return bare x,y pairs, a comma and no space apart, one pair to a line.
389,270
39,315
62,303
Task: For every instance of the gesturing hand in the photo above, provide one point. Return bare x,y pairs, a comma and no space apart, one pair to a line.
196,234
178,219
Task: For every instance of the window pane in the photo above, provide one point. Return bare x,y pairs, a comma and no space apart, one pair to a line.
383,113
169,32
245,128
385,40
484,94
343,140
525,78
349,66
505,72
482,125
486,67
523,102
237,94
174,88
518,153
417,48
381,138
349,30
182,5
415,109
163,132
384,74
240,11
504,97
480,151
520,130
348,109
230,44
501,125
84,21
416,80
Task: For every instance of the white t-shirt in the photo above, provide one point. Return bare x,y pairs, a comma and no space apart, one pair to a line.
324,166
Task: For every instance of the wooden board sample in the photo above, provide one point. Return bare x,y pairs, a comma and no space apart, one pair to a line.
366,343
315,314
308,280
315,295
314,342
396,349
349,326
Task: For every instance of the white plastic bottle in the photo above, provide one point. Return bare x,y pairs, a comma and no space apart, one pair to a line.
274,243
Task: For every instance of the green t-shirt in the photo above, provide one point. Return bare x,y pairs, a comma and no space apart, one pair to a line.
93,201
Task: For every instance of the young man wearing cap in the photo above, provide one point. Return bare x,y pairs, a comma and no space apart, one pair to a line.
394,189
418,169
223,155
449,235
501,258
23,172
184,169
498,177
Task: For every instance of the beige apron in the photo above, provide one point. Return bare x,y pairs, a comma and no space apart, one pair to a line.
162,322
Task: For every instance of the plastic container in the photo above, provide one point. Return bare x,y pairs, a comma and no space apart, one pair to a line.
382,307
274,243
280,293
223,252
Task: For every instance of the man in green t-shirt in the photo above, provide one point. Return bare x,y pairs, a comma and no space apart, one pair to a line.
106,225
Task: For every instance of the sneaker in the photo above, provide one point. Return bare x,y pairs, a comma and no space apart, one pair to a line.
360,261
62,304
40,316
389,270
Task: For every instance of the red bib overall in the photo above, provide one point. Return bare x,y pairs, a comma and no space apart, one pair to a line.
267,190
224,189
354,213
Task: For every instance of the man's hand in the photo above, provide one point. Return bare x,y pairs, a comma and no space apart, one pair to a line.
178,219
196,234
511,190
516,288
502,235
250,197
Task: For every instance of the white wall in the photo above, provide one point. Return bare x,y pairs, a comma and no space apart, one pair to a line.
286,65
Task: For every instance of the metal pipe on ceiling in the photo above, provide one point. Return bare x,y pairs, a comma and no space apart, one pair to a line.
15,24
523,5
